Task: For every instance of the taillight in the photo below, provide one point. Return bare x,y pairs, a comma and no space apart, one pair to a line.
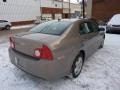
43,53
12,44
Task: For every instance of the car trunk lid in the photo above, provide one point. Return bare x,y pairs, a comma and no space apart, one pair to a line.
27,42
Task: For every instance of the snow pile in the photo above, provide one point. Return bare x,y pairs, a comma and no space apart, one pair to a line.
100,72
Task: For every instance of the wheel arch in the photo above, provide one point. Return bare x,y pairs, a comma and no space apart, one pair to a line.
80,52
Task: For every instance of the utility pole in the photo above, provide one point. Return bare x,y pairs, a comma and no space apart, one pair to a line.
62,8
83,5
40,10
69,10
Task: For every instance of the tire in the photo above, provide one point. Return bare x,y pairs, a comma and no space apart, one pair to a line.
7,27
77,65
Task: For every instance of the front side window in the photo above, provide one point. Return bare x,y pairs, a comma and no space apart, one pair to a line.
52,27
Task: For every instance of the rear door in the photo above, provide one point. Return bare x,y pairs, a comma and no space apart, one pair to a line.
87,37
98,35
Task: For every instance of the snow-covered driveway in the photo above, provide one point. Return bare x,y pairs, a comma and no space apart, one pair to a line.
100,72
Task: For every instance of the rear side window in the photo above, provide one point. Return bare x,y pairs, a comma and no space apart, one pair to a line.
93,26
88,27
85,28
52,27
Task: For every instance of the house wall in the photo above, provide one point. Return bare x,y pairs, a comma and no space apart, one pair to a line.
75,10
51,13
51,3
53,9
89,8
19,10
73,7
105,9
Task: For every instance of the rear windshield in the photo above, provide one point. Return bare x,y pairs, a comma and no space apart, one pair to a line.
52,27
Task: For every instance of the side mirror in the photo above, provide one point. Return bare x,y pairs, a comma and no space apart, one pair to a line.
101,29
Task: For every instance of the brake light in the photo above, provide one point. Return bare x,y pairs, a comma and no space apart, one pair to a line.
12,44
43,53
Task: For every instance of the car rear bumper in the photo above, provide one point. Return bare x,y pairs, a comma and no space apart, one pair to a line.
49,70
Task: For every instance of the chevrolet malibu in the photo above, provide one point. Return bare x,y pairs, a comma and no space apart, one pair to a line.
56,48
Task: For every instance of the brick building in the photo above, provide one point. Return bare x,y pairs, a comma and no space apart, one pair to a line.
54,9
102,9
105,9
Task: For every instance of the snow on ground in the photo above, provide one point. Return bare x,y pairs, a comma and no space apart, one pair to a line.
100,72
